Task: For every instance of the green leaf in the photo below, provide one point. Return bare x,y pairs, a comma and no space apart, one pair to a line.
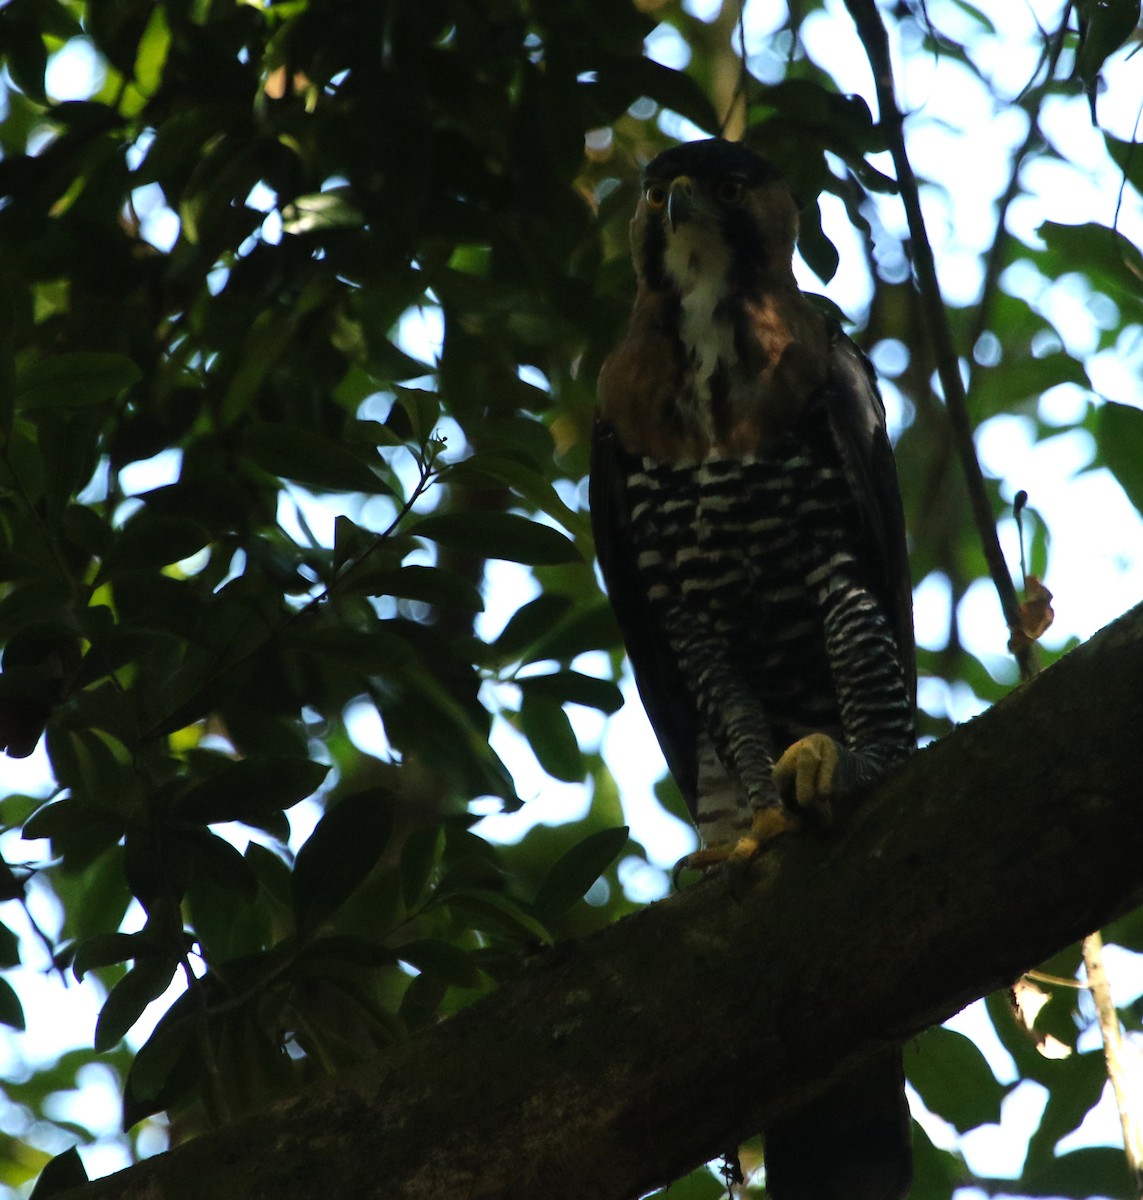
526,482
387,362
1075,1085
814,244
68,820
1127,931
11,1010
146,981
441,960
23,44
342,948
344,847
571,876
310,458
843,123
468,865
150,540
498,535
1119,434
550,734
572,687
9,947
632,77
105,949
953,1078
698,1185
152,53
11,888
422,408
165,1064
583,628
1127,158
1005,387
495,913
422,998
1093,1171
219,860
74,380
64,1172
430,585
319,211
251,788
373,910
1104,26
7,361
418,857
377,651
936,1173
529,624
1112,261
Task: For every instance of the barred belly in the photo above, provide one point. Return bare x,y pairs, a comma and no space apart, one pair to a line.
751,568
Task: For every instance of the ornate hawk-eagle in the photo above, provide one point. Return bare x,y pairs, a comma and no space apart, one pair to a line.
749,528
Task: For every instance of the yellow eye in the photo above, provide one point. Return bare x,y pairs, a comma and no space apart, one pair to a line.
730,191
656,196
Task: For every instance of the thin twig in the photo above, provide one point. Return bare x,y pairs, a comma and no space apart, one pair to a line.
871,30
426,461
1031,101
1055,980
1117,1069
740,102
730,18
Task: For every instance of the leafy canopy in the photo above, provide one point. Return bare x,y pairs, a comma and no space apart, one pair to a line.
238,505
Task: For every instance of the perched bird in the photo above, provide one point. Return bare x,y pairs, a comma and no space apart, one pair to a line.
749,528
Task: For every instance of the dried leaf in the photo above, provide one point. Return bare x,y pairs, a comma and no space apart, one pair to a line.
1036,614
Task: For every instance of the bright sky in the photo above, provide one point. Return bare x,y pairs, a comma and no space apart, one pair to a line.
958,138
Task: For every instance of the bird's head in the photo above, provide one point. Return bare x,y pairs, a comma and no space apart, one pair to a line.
713,206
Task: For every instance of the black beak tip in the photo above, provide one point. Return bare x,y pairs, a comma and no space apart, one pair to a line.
678,208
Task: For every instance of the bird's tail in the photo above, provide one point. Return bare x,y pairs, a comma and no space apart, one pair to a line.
853,1142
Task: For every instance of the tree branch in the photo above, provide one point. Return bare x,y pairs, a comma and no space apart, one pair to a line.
1117,1067
871,30
620,1062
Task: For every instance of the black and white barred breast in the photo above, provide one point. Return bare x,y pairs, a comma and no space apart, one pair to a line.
742,557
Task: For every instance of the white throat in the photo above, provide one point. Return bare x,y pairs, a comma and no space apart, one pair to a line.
698,262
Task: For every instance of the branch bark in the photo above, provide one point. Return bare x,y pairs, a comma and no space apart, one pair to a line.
618,1063
1117,1067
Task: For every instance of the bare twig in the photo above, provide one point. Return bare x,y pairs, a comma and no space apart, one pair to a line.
426,461
734,119
1031,100
730,73
1117,1068
1038,976
871,30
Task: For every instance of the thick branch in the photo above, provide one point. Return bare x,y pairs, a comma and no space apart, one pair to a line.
621,1062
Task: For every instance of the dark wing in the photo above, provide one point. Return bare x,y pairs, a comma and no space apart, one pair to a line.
661,686
857,421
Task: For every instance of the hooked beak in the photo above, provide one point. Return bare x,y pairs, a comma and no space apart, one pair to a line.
680,201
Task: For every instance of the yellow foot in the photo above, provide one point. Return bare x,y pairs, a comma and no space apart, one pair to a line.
766,825
804,775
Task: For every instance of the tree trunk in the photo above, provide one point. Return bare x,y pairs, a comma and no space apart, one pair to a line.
619,1063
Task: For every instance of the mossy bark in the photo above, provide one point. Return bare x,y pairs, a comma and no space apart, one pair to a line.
620,1062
